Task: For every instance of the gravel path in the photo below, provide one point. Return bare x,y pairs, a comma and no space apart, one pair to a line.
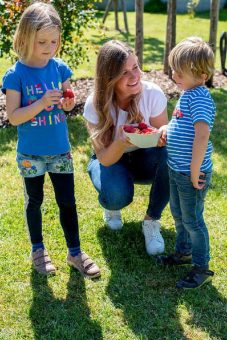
83,87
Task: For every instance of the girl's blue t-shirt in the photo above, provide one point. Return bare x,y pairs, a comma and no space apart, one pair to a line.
46,133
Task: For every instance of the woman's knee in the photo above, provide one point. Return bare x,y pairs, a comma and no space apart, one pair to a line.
116,200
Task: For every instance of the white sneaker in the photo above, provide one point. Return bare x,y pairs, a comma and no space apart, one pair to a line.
113,219
154,241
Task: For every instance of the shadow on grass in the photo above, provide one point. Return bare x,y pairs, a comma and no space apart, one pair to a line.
153,50
146,292
62,319
206,15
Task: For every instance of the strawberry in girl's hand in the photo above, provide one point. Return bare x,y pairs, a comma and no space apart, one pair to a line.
68,93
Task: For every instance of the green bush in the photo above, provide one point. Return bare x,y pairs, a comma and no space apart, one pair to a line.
155,6
76,16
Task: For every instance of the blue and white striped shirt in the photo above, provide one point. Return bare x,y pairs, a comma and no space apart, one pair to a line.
193,106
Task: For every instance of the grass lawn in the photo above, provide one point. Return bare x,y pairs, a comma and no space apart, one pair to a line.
154,38
134,298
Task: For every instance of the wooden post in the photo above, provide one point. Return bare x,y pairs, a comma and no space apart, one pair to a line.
106,11
116,14
214,14
125,15
139,5
115,4
170,34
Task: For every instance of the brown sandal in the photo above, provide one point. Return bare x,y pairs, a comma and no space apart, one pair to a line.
84,264
42,262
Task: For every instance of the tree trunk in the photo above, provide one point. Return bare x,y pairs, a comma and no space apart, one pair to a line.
116,14
107,10
125,15
214,14
139,5
170,34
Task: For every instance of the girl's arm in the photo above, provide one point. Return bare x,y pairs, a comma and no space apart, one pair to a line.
67,104
201,139
111,154
18,115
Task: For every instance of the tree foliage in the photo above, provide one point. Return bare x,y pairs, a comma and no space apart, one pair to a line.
191,5
76,16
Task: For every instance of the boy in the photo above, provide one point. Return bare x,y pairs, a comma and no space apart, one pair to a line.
189,159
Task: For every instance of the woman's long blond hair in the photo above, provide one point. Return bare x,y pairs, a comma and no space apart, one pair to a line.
111,60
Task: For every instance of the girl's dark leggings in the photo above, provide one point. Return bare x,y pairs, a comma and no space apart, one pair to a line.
64,193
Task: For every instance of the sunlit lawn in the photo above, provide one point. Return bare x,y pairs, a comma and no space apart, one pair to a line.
134,298
154,38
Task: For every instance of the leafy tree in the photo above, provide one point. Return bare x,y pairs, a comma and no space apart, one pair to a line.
76,15
191,5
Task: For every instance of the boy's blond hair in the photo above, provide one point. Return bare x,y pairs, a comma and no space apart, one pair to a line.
192,56
37,16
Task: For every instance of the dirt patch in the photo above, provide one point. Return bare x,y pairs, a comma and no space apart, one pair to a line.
83,87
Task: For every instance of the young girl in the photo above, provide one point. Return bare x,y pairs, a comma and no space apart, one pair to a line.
34,103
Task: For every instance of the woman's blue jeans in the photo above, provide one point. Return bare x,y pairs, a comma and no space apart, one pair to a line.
115,183
187,205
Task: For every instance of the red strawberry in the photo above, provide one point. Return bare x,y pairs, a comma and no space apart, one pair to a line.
142,126
68,93
129,128
146,131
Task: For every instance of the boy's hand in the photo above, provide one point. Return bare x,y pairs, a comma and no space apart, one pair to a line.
199,181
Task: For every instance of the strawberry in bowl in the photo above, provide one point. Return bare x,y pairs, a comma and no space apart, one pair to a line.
142,135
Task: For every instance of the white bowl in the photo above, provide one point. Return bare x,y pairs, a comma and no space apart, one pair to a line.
144,140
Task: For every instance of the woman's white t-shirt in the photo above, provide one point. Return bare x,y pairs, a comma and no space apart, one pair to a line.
152,103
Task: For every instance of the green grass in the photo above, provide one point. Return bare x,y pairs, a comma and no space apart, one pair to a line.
134,298
154,38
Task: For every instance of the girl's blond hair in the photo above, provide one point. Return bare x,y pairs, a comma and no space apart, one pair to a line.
192,56
37,16
111,60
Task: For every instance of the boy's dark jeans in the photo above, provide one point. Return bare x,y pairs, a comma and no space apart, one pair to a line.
187,205
64,193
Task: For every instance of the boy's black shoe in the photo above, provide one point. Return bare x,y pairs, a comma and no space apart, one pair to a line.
195,278
175,259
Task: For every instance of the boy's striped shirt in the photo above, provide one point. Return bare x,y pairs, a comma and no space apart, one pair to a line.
193,106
